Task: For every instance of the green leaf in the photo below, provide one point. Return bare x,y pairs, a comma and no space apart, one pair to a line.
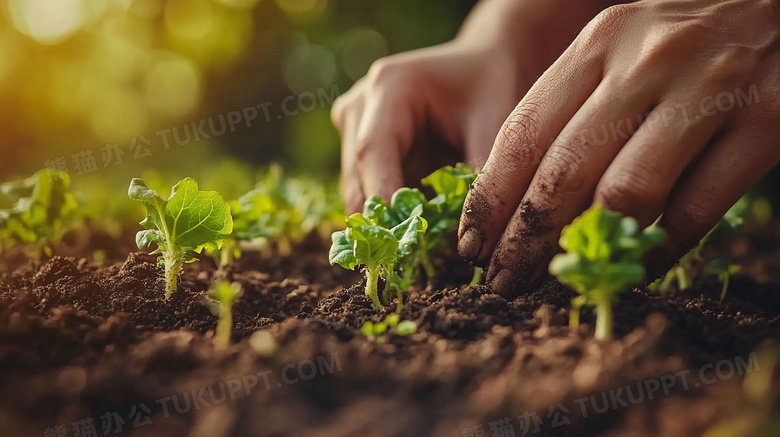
408,233
407,327
368,329
225,293
392,320
185,223
374,246
342,250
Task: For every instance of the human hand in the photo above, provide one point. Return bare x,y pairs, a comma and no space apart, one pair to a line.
703,77
459,93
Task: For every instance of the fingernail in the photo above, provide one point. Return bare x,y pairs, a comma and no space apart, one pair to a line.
503,282
470,244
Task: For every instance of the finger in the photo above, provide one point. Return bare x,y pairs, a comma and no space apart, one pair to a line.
346,116
728,168
564,183
640,178
521,141
384,137
481,130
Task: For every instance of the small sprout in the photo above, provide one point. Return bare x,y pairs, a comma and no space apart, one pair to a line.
603,257
42,205
723,269
683,272
476,279
377,248
392,323
182,225
221,299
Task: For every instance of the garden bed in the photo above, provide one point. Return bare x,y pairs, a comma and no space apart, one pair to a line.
87,345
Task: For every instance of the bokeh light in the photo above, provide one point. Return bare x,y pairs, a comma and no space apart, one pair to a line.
76,75
172,85
47,21
361,47
310,67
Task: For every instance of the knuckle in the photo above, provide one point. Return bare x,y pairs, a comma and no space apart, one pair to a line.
519,136
697,214
731,65
686,225
607,22
363,149
387,70
337,114
631,191
561,169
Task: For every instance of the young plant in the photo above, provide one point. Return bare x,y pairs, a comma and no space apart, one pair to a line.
682,273
603,257
442,213
723,269
181,225
392,323
405,203
377,248
220,300
451,185
249,214
42,205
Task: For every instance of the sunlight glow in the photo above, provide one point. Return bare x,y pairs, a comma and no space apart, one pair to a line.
47,21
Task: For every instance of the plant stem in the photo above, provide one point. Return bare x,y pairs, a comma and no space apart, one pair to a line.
425,259
372,276
604,320
574,315
224,326
172,270
226,254
400,296
684,281
725,287
477,278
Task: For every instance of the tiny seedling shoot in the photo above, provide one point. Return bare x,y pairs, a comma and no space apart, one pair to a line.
723,270
221,299
392,323
182,225
603,258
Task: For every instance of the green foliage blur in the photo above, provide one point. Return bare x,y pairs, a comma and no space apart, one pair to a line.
109,88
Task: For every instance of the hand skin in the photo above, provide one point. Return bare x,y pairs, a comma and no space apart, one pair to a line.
681,62
459,92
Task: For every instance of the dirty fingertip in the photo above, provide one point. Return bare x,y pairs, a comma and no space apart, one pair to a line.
503,283
470,244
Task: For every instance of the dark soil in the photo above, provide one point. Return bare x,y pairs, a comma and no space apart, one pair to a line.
87,344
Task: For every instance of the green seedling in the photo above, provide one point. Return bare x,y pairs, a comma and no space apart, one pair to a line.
221,299
682,273
182,225
404,203
392,323
723,269
603,258
442,213
42,205
376,248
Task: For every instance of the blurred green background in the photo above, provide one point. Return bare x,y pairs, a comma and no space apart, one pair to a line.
112,88
213,89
